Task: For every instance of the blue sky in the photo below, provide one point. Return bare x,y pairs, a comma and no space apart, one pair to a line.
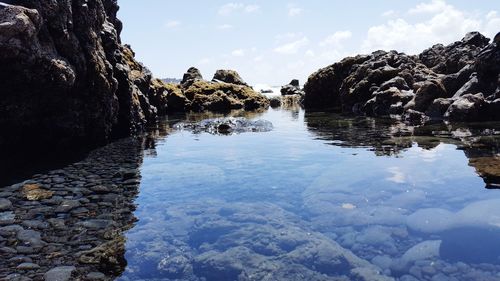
275,41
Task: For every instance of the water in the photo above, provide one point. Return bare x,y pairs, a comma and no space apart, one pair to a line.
320,197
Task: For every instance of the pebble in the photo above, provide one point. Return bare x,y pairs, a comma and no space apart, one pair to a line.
5,204
31,238
7,218
61,273
96,276
67,205
28,266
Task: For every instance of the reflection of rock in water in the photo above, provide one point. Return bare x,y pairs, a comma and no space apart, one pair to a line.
226,126
471,245
74,217
480,142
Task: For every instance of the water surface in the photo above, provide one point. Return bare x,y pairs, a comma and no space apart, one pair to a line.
320,197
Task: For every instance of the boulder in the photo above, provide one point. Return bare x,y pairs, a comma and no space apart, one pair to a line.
438,108
467,108
192,75
228,76
293,88
66,77
275,102
425,95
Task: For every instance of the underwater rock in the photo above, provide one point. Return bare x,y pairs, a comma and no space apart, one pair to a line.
471,245
227,126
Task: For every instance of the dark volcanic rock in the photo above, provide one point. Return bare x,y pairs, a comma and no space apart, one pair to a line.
65,75
192,75
226,92
392,83
293,88
228,76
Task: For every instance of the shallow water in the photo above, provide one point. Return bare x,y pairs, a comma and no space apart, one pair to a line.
320,197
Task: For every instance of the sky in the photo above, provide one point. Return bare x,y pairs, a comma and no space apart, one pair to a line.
272,42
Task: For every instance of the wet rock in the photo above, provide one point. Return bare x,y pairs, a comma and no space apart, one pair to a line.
466,108
95,276
67,205
61,273
96,224
227,126
275,102
426,94
7,218
415,117
5,204
174,267
34,192
28,266
31,238
65,56
293,88
35,224
109,257
438,108
228,76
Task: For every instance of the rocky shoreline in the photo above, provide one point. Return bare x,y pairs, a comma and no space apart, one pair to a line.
459,83
68,224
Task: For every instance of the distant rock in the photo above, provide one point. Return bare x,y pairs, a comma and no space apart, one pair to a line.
228,76
192,75
220,95
458,82
293,88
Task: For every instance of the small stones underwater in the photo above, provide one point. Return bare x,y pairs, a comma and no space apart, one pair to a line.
280,203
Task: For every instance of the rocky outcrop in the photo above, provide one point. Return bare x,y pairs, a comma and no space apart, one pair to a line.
66,78
226,92
228,76
458,82
293,88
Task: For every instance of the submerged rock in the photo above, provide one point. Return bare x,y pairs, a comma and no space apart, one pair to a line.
227,126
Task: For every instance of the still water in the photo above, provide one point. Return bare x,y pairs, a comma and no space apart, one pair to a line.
319,197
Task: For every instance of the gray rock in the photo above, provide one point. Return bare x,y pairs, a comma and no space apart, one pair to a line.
28,266
67,205
31,238
94,276
7,218
5,204
61,273
97,224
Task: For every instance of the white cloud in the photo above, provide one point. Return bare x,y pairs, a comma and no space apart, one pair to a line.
258,58
435,6
389,13
438,22
292,47
172,24
232,7
336,39
310,53
294,10
224,27
252,8
238,53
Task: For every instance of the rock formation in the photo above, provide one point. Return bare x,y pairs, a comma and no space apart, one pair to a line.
458,82
293,88
66,78
227,91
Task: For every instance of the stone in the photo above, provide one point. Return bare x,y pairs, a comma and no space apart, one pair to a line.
28,266
34,192
95,276
467,108
7,218
228,76
67,205
31,238
81,55
275,102
60,273
5,204
192,74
